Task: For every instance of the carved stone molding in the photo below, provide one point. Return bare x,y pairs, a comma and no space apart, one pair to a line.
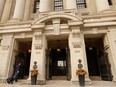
38,40
94,30
38,35
76,33
56,25
56,28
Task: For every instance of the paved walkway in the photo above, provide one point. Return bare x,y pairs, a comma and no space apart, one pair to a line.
59,84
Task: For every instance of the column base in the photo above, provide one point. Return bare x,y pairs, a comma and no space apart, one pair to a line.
3,79
114,79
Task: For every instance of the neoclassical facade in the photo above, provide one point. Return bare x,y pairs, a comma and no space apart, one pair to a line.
56,34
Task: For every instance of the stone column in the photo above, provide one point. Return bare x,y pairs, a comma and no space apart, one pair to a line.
2,2
19,9
71,4
112,54
76,52
46,5
27,9
38,54
102,5
6,53
6,11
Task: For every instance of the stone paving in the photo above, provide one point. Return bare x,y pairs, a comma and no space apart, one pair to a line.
59,84
22,85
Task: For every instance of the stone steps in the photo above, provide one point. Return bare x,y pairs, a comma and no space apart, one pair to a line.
103,83
59,77
59,83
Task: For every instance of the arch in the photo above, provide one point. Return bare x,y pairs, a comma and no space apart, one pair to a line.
61,15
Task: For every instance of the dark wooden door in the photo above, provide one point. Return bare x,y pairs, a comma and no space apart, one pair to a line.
104,66
20,58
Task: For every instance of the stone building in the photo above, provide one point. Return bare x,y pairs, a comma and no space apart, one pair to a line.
56,34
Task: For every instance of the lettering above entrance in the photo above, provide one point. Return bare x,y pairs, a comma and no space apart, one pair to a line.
38,46
76,44
5,48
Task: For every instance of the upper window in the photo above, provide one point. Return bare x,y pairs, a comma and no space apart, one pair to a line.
36,6
81,4
110,2
58,5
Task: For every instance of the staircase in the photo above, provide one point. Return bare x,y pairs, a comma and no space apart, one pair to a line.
61,83
95,78
64,83
59,78
58,82
103,84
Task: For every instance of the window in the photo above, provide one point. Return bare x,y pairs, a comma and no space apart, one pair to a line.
81,4
58,5
110,2
61,63
36,6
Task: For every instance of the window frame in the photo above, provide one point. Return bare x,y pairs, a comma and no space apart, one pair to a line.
34,7
58,5
81,4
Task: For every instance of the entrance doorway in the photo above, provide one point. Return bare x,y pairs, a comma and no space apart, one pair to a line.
97,59
58,60
22,55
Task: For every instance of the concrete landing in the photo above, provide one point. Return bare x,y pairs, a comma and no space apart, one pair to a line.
60,83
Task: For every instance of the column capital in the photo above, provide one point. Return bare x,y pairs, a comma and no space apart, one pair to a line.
38,40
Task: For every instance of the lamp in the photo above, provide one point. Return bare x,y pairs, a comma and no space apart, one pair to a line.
58,49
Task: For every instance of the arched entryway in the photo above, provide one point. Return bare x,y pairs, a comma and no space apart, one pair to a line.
57,27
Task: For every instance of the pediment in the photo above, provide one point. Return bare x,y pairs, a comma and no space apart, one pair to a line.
63,16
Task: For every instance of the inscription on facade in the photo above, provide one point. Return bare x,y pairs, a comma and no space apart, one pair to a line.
77,51
38,46
76,44
38,52
5,48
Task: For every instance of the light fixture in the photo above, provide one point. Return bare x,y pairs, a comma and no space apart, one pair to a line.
58,49
29,51
90,48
